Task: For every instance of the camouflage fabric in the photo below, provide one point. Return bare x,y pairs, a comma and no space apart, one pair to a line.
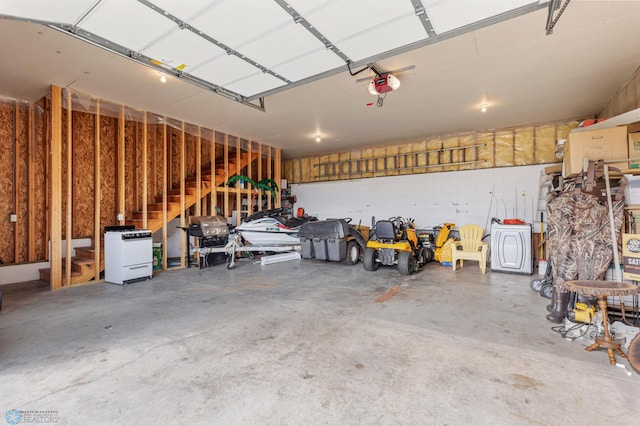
579,236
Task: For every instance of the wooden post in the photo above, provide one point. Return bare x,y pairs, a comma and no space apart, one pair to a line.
260,175
164,193
183,161
199,174
214,186
97,194
55,224
145,172
122,191
69,215
16,180
31,185
226,175
270,176
278,176
238,186
249,171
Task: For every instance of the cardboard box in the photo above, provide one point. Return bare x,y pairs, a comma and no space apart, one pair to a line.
601,144
634,150
631,256
632,190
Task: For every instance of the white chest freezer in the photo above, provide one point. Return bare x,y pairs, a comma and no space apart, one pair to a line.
511,248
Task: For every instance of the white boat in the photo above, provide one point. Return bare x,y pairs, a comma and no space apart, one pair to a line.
268,231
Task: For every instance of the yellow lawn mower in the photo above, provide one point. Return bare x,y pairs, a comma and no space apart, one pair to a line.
394,242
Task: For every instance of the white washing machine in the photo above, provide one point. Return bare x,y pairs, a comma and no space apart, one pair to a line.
511,248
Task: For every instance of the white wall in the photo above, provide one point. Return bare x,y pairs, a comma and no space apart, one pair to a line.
473,196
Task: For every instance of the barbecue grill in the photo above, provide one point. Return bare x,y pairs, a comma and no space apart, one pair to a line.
210,231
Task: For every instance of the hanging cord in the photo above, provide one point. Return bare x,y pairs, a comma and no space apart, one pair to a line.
381,100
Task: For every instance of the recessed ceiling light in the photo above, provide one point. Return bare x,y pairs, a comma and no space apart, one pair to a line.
163,78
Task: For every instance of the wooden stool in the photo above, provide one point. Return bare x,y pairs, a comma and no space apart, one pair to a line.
601,290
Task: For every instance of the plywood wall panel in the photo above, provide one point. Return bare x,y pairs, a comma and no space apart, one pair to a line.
66,114
7,184
131,184
174,157
190,145
40,191
22,175
108,171
155,161
83,174
205,147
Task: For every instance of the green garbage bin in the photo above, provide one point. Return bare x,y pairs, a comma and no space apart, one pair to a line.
157,256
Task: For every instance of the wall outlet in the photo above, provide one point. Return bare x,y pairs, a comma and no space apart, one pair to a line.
13,218
120,217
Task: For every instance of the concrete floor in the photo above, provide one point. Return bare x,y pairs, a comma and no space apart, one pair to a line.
304,342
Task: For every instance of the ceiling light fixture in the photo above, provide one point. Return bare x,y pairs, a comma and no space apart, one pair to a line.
318,138
483,107
163,78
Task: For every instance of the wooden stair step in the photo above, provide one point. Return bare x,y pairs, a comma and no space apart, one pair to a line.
89,252
80,264
151,214
188,190
45,274
157,207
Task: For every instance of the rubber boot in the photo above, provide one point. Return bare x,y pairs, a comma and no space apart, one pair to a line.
559,308
552,305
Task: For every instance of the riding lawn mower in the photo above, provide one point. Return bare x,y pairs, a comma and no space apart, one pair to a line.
394,242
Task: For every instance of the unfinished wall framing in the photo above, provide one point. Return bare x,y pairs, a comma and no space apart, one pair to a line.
23,182
520,146
73,164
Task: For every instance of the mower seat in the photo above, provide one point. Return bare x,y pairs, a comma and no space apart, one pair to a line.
385,230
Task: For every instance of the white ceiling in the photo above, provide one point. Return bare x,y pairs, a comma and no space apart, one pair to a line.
522,74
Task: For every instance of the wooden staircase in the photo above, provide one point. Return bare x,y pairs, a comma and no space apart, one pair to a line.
82,264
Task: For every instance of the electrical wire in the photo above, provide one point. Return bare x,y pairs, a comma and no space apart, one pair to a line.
565,331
